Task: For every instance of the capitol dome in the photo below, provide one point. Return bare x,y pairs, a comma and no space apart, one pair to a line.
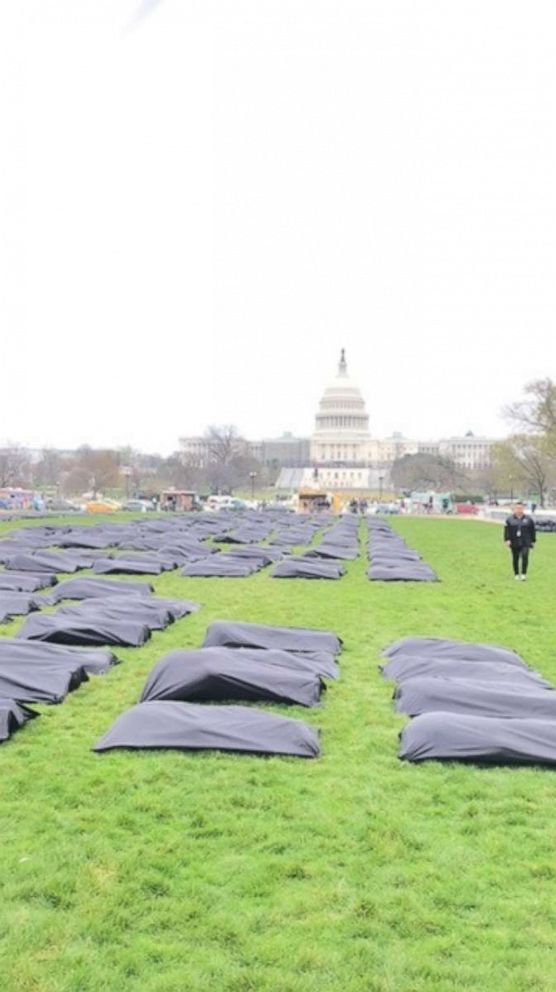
342,422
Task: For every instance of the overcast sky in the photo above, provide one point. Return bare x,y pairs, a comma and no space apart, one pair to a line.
202,201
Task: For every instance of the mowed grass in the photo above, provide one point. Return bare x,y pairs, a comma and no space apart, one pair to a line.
166,872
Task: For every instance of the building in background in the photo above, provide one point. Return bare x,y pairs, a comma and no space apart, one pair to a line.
274,453
469,452
285,451
341,436
345,455
341,452
194,449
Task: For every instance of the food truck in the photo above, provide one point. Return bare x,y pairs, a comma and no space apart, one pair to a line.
178,500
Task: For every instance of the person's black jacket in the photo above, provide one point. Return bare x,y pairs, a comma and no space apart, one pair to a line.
520,531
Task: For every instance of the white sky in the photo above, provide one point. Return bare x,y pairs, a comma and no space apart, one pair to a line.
200,207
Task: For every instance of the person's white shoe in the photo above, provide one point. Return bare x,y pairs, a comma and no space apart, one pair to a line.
523,577
517,577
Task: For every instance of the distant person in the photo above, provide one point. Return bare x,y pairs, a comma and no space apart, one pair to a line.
520,536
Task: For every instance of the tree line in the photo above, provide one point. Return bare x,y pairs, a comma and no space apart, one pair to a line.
524,464
125,471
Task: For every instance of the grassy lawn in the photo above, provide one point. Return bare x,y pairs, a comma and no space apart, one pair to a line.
168,872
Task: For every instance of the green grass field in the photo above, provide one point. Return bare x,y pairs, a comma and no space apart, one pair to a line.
144,872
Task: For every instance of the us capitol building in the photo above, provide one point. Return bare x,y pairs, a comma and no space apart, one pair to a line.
341,453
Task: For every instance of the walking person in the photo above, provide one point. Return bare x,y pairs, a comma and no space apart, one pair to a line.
520,536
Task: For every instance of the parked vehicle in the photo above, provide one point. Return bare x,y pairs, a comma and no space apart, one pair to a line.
137,506
101,506
215,503
62,506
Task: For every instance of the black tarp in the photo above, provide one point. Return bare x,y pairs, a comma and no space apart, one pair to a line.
171,558
407,571
136,608
400,669
398,564
138,544
129,566
12,716
47,683
441,648
261,556
189,548
243,535
391,559
335,551
177,608
318,662
512,700
17,604
156,613
546,525
381,558
427,694
233,634
92,538
459,737
219,674
45,561
194,727
25,582
95,661
88,588
9,550
301,568
94,630
220,566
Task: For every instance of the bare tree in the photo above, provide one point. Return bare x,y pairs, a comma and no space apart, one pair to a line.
50,469
15,466
224,443
183,473
424,471
526,460
485,480
98,470
537,413
227,453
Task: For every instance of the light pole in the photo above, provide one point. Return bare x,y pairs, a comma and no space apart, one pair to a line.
126,472
511,481
380,481
252,476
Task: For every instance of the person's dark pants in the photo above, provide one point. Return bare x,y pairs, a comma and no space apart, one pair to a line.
523,554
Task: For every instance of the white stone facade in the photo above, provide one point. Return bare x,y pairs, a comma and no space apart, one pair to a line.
468,452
